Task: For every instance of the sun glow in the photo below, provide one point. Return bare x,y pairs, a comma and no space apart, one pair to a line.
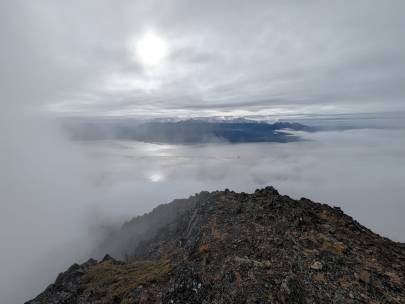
156,177
151,49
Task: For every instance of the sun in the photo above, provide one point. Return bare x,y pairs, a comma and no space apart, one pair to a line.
156,177
151,49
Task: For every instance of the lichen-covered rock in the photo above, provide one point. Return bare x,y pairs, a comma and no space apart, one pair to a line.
227,247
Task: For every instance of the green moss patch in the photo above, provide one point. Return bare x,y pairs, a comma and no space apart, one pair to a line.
116,280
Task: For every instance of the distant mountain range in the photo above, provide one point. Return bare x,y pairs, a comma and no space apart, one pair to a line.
188,131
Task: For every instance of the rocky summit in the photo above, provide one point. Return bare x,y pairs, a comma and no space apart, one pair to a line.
227,247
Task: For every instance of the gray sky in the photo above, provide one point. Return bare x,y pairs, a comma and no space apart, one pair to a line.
216,57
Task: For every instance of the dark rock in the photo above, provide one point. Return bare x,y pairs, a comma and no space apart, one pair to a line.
108,257
226,247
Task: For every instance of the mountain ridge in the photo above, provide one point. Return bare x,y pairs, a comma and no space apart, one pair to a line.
228,247
189,131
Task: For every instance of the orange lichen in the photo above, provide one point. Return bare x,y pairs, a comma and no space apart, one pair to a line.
203,248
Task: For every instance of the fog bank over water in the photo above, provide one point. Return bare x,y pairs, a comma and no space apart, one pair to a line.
361,171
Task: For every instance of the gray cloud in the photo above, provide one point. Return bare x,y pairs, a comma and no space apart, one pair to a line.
333,57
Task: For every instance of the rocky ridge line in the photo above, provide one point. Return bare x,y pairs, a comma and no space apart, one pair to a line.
228,247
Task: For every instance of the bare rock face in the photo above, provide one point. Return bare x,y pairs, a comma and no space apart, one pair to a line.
227,247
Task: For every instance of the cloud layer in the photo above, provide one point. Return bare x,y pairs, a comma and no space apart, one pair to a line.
224,57
361,171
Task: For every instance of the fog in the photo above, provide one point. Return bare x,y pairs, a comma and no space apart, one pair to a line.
361,171
44,191
44,201
60,197
263,60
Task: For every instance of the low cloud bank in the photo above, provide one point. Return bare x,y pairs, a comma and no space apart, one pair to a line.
361,171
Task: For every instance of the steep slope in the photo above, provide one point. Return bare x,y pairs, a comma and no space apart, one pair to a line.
229,247
121,243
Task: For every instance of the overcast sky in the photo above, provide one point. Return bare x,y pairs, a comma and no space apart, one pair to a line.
214,57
